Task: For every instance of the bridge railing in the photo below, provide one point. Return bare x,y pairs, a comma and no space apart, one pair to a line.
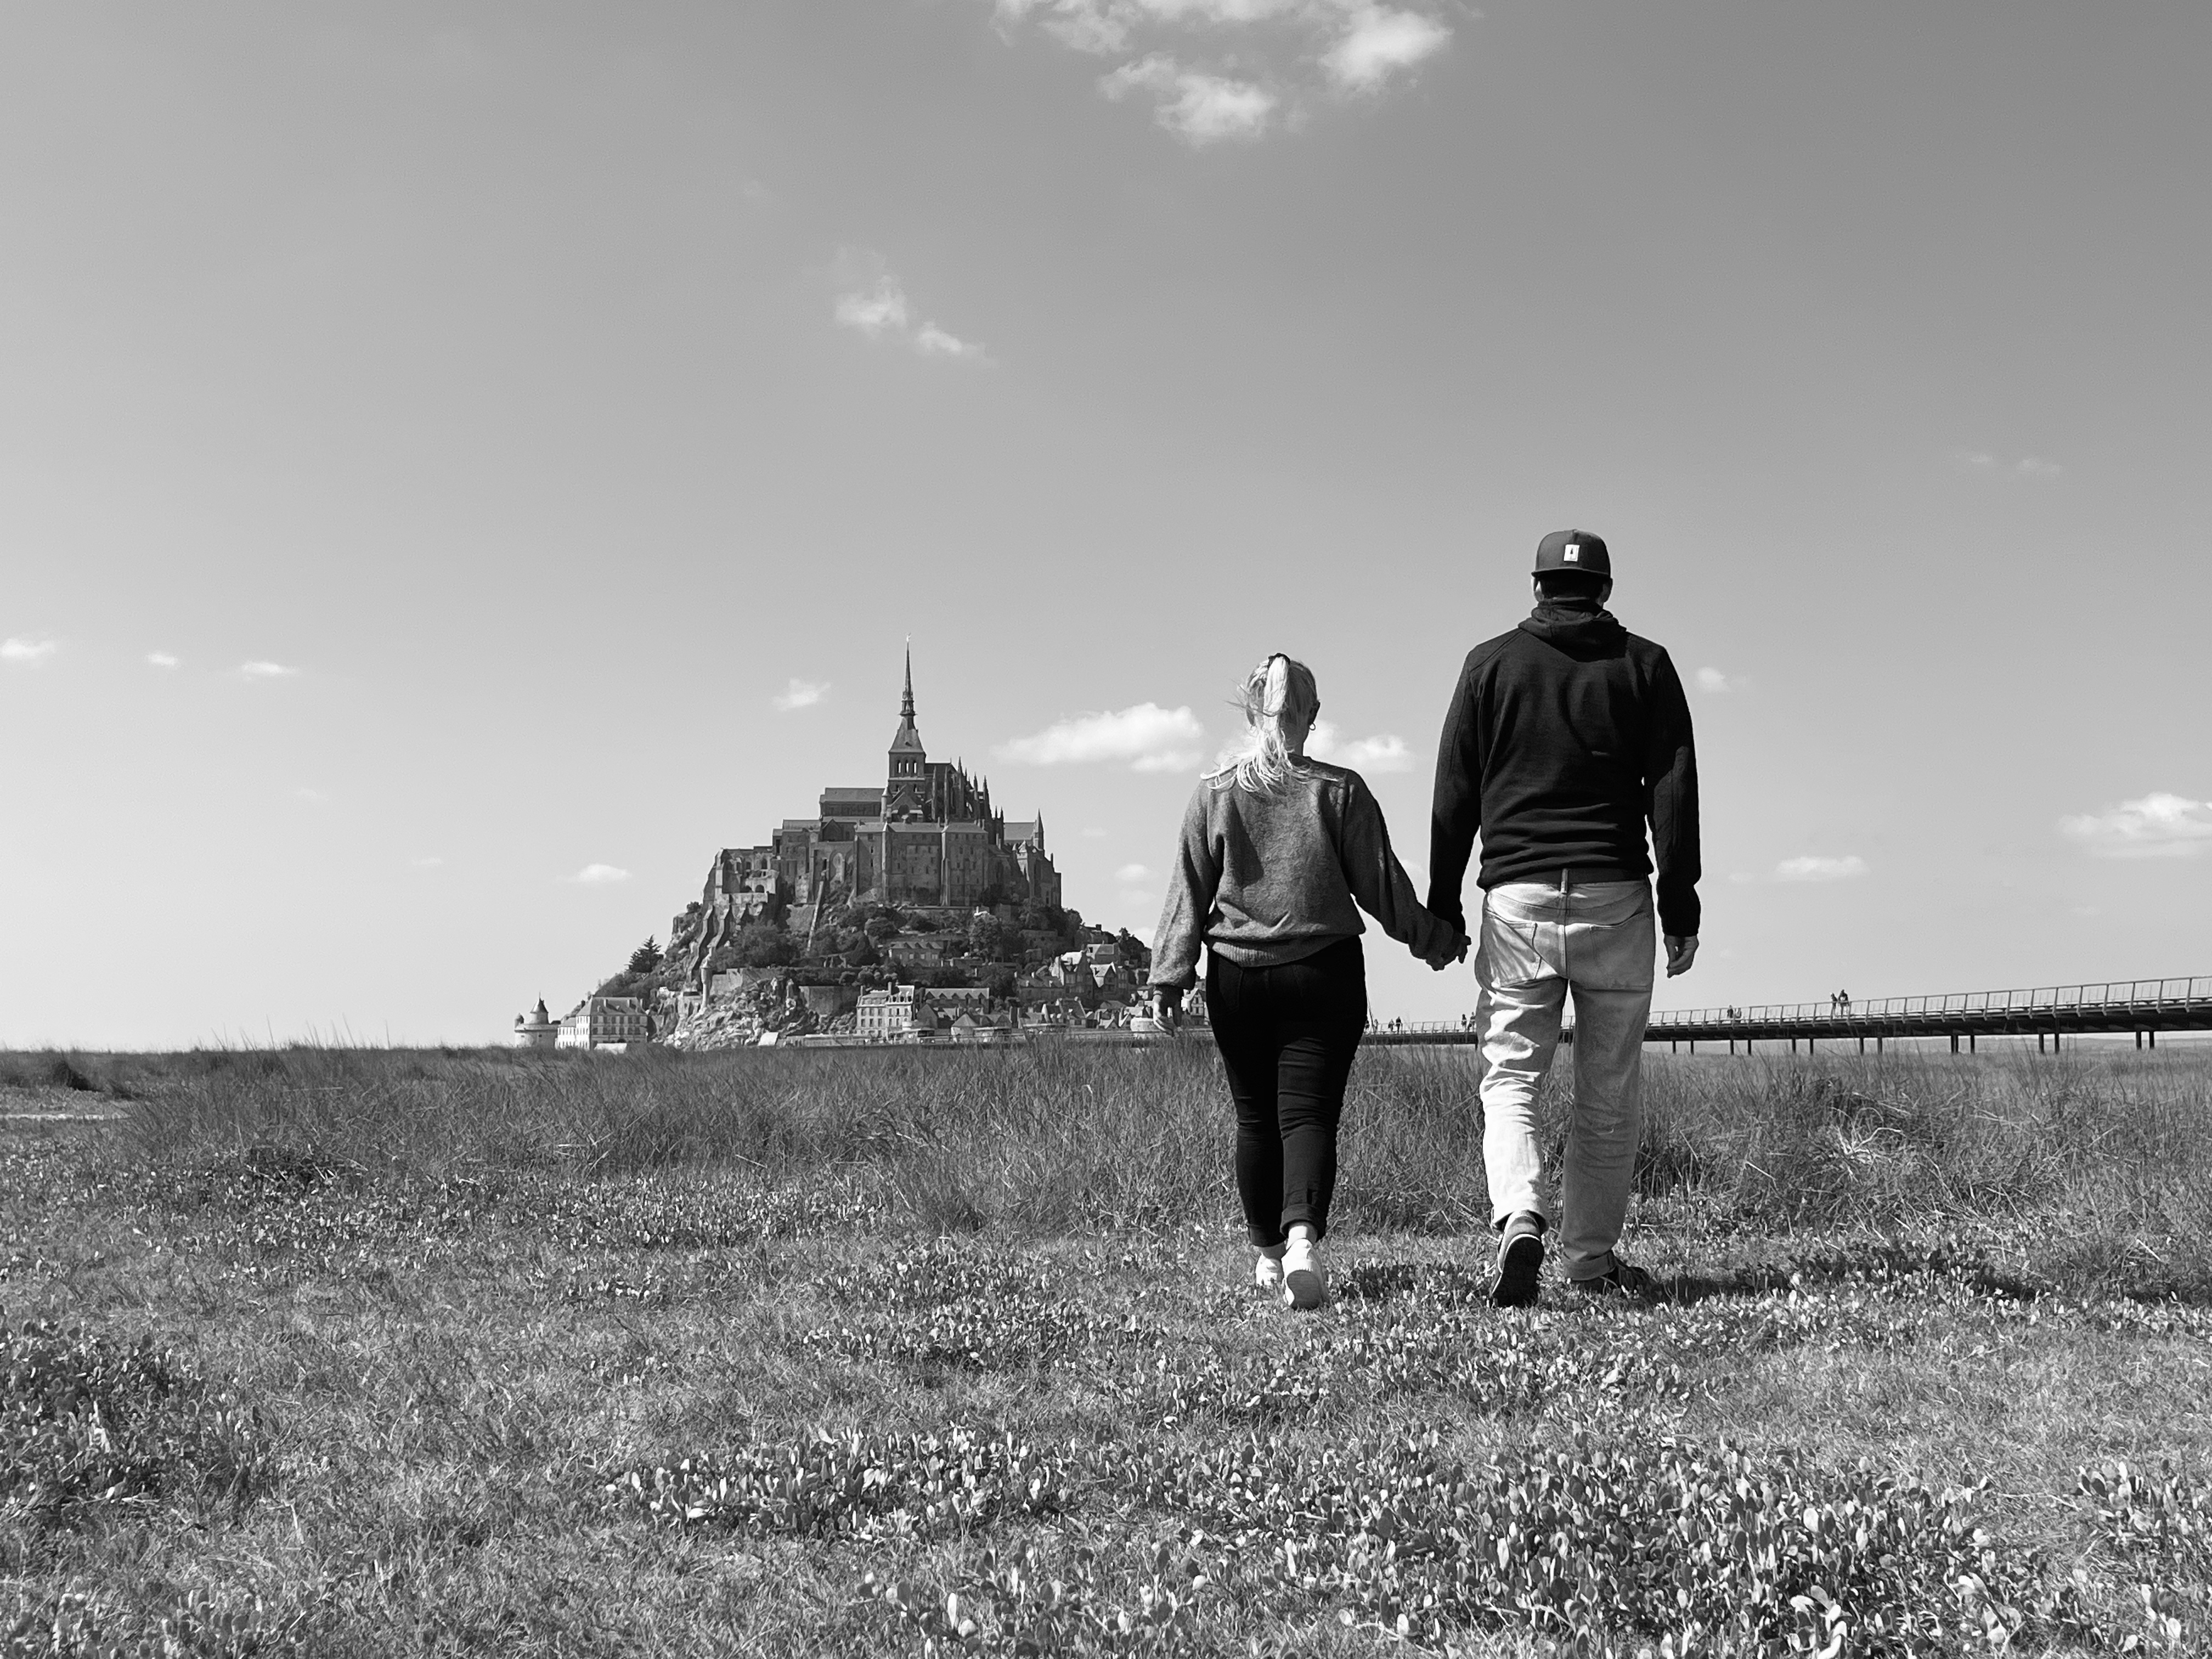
2117,996
2113,995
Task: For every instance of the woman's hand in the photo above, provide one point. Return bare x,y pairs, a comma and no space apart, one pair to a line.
1167,1006
1443,957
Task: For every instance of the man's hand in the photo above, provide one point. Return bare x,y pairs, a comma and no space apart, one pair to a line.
1680,953
1167,1006
1455,952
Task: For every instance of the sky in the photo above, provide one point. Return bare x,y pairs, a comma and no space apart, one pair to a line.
460,467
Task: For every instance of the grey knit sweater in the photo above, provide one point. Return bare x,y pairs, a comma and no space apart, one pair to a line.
1266,879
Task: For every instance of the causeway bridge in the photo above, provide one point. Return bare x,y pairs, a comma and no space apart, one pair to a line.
2049,1014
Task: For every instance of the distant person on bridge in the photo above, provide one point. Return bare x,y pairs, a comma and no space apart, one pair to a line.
1564,738
1276,849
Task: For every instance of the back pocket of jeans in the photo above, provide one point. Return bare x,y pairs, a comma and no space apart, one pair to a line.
1616,957
1508,953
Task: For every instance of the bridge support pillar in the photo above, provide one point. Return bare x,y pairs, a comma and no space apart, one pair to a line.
1693,1045
1954,1043
1731,1047
2138,1039
2154,1039
1969,1042
1861,1045
2039,1043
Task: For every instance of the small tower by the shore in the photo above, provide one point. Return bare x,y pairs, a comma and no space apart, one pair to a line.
536,1029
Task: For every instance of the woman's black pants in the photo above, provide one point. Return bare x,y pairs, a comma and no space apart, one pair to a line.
1287,1036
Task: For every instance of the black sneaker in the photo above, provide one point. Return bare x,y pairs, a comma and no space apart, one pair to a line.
1520,1262
1621,1281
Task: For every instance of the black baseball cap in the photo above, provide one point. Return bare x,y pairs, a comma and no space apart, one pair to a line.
1573,549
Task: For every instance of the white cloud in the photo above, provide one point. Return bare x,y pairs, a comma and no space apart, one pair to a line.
800,694
1130,875
432,862
875,304
599,875
1094,835
162,660
1215,69
15,650
934,342
2158,825
2027,466
1383,752
318,796
1814,868
1191,103
1150,737
1716,684
875,310
1379,43
266,671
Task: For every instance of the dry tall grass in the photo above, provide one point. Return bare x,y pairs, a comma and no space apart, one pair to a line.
2097,1160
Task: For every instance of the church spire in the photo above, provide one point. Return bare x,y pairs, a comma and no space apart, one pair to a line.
907,790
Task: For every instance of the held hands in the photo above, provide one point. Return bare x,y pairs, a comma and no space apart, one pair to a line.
1680,953
1444,956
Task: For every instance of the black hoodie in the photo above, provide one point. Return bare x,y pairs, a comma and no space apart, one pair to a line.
1564,738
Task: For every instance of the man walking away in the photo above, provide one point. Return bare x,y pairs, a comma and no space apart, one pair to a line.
1563,738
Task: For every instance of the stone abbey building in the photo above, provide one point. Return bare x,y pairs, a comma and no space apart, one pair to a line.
927,835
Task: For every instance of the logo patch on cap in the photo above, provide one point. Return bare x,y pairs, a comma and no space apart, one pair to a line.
1574,553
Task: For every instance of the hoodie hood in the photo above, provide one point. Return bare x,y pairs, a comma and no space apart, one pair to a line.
1581,627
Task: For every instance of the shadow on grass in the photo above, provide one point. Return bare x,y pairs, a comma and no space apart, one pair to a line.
1875,1262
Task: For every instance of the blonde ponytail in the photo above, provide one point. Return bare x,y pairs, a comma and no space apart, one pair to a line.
1279,690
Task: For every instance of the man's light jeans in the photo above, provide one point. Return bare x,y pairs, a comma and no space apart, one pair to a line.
1539,940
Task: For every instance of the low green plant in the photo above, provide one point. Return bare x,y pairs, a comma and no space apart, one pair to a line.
89,1426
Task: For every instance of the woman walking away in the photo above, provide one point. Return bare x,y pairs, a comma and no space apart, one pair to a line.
1276,847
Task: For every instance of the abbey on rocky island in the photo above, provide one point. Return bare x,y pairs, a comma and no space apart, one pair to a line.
927,835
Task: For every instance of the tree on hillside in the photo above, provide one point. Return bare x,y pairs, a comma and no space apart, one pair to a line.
862,952
764,944
1131,950
645,958
882,925
992,939
998,981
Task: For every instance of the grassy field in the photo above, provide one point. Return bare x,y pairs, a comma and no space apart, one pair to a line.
354,1352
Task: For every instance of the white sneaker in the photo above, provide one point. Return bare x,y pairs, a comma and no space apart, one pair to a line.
1305,1283
1267,1268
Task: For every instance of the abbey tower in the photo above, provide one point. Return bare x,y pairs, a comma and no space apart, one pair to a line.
929,836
